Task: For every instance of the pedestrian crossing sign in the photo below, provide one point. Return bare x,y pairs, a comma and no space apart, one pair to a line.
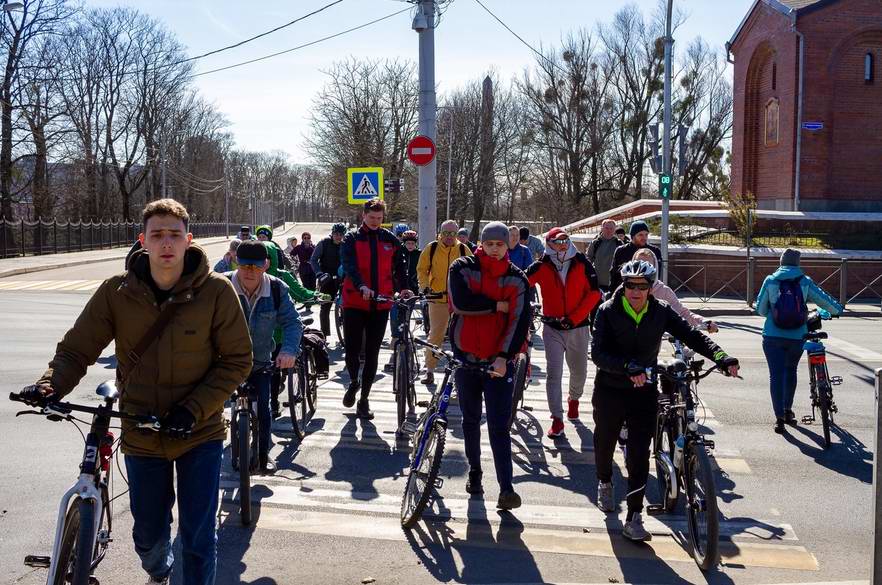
364,183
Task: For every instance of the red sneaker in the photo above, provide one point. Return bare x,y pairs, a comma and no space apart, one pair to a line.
557,428
572,409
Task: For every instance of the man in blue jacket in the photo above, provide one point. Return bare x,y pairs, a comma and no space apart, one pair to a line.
782,301
266,304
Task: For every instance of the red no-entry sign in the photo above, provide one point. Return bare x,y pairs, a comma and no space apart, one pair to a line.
421,151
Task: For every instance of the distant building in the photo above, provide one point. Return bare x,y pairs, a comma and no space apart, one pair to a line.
832,49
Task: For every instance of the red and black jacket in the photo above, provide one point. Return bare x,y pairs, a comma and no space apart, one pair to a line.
375,259
574,300
474,285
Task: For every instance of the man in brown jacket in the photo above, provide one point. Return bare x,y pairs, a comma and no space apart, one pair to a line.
183,377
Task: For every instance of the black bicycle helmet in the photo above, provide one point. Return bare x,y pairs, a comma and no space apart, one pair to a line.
638,269
338,228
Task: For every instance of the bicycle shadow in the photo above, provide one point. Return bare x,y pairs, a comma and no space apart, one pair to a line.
234,538
848,456
357,460
478,548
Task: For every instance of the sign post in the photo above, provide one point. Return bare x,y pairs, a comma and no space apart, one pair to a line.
363,184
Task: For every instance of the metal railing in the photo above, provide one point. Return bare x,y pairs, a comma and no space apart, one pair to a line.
35,238
848,280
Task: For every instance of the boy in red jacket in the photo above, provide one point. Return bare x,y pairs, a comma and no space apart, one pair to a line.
569,294
488,299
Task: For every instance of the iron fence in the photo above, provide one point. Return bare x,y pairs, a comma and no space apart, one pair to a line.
846,239
34,238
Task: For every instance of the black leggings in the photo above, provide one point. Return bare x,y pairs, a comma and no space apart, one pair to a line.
372,325
330,288
637,407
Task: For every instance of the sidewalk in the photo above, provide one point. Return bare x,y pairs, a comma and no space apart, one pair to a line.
26,264
738,308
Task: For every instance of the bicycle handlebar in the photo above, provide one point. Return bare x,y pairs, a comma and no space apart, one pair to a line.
63,409
482,367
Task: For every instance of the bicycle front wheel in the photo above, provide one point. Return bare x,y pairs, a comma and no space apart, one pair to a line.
243,440
701,508
402,381
421,480
520,381
312,387
295,396
338,320
74,562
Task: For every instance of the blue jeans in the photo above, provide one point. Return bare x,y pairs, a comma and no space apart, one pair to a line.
263,385
152,496
393,320
471,387
783,357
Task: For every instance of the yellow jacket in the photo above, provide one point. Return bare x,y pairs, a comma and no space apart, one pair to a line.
432,268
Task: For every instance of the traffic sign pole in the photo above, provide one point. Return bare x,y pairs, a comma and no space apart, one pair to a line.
666,140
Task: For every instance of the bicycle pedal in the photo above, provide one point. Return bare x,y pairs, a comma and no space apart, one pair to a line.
321,376
37,561
710,445
423,404
439,483
807,420
836,380
408,428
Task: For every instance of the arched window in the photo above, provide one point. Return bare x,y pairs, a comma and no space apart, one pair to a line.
774,76
869,67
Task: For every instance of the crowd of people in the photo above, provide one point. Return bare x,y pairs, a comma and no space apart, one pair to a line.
605,306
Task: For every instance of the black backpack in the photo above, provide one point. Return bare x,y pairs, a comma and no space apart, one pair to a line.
314,340
433,247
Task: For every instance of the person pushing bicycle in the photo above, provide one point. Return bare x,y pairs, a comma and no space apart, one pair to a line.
628,332
569,294
181,370
267,305
491,317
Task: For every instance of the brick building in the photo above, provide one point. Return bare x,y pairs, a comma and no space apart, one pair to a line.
815,65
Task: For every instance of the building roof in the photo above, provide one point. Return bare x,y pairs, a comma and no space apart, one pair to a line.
789,8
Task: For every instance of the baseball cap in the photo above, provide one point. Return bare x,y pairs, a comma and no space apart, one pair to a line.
251,252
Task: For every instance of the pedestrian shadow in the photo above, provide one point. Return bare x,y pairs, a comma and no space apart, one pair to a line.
485,551
234,538
356,460
847,456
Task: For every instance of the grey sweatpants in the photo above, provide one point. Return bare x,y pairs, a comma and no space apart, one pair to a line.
574,346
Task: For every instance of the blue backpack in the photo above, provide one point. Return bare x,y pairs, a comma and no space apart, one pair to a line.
790,310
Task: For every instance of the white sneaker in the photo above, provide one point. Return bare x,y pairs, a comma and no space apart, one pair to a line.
635,531
605,497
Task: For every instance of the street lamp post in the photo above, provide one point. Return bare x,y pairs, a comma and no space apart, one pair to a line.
666,138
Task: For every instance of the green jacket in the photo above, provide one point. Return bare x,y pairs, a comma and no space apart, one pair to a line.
197,361
296,290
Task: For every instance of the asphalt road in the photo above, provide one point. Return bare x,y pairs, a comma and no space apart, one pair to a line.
791,511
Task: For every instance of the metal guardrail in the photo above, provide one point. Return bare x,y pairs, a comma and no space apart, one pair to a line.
35,238
708,279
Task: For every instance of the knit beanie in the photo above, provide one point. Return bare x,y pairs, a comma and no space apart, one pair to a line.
790,257
637,227
495,230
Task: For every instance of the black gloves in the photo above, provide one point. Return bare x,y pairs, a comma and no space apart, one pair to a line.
724,362
38,395
566,324
178,423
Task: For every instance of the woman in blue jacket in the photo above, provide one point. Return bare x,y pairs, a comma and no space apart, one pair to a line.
783,346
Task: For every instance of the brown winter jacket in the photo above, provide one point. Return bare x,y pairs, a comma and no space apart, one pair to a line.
200,358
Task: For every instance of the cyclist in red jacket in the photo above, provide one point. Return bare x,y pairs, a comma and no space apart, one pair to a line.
569,294
487,296
374,263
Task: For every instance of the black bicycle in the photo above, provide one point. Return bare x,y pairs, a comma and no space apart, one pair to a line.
244,436
428,435
303,379
85,514
820,381
682,462
406,365
523,368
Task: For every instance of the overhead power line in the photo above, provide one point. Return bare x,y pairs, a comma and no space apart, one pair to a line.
303,46
517,36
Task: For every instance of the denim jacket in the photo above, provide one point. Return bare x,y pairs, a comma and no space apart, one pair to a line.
263,318
770,292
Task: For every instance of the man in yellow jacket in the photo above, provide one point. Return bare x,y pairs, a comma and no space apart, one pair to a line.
432,269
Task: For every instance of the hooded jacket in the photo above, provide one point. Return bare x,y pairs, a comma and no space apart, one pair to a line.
569,286
811,293
619,339
297,291
432,269
375,259
197,361
624,254
477,330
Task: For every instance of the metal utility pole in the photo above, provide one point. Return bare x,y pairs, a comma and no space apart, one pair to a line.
449,162
424,25
227,205
666,138
164,165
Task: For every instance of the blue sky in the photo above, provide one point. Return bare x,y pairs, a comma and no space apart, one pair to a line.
267,103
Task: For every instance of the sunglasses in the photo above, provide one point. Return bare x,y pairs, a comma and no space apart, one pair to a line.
637,285
560,241
448,234
251,266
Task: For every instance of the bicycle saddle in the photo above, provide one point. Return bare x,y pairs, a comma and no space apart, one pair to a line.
108,390
673,366
815,336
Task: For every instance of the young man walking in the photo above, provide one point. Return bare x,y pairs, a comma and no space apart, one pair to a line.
184,376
